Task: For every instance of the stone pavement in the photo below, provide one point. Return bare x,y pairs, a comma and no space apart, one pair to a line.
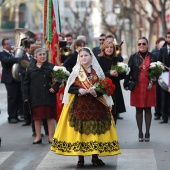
18,153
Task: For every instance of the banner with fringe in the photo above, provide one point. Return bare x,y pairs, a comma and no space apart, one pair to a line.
52,29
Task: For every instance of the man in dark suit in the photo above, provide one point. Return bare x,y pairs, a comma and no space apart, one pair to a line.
164,57
159,44
70,62
97,50
14,97
26,58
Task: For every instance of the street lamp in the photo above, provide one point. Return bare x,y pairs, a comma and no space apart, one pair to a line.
117,10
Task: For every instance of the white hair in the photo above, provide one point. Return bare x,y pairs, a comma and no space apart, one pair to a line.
81,37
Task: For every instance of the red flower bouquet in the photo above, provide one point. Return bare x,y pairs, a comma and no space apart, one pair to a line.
105,86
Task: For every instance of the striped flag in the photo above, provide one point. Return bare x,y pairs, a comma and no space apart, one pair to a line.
52,28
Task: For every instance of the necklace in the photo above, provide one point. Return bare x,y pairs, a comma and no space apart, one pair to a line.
87,67
144,66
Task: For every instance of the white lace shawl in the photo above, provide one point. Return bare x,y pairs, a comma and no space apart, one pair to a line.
75,73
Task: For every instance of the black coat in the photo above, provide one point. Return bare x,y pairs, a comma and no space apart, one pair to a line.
7,61
106,67
37,84
164,57
96,51
134,63
70,62
156,53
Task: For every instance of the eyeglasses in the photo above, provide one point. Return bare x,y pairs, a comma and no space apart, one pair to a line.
101,39
139,44
9,44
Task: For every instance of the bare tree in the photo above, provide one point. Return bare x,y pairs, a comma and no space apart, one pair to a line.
161,11
143,14
81,25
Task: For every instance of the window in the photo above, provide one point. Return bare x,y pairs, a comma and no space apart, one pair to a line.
81,3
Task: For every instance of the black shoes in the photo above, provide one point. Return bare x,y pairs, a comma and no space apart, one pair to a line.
157,118
163,121
26,124
147,137
98,162
118,117
12,121
140,137
50,142
80,164
37,142
20,120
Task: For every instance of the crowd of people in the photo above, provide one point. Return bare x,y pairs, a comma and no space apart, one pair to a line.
88,118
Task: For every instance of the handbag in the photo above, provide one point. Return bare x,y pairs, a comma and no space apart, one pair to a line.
131,85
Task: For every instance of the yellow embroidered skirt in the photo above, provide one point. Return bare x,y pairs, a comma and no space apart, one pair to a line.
67,141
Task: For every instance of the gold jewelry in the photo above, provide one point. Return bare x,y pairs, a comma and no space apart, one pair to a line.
144,66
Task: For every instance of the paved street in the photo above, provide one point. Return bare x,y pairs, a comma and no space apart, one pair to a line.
18,153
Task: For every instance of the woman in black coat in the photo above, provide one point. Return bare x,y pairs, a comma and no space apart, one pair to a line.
38,91
107,59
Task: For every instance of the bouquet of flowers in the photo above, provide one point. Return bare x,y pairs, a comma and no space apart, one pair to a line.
59,73
155,70
121,67
105,86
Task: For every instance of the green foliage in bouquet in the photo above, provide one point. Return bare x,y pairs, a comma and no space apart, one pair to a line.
59,73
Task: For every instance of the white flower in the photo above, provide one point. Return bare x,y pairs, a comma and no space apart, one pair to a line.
67,72
158,63
127,70
55,68
152,64
123,65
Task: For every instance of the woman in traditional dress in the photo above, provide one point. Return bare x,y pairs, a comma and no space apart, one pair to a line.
86,126
137,81
107,58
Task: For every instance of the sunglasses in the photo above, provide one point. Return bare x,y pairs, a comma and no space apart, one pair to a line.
139,44
101,39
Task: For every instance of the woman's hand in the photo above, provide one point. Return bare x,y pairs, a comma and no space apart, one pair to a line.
169,89
83,91
92,92
114,73
52,90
